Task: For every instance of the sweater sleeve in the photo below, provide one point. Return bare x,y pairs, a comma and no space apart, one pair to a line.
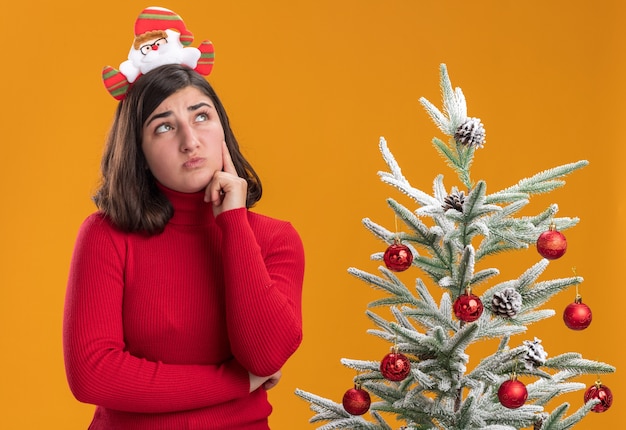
264,277
98,367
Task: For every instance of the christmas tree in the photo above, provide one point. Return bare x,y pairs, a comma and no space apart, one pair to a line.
425,382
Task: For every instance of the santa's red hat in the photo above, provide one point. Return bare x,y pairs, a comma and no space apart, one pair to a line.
159,18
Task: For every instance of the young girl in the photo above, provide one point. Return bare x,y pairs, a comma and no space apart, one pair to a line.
182,305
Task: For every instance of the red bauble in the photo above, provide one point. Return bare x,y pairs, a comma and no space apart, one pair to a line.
551,244
356,401
395,366
468,307
398,257
512,394
577,315
602,393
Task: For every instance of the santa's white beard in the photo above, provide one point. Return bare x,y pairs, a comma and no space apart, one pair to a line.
158,58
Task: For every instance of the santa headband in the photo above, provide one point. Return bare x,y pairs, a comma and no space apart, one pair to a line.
161,37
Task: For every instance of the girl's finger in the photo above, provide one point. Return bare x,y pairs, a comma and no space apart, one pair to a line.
228,165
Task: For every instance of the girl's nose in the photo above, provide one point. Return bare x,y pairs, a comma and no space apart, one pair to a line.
188,141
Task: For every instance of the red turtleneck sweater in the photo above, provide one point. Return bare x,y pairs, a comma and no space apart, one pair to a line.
161,331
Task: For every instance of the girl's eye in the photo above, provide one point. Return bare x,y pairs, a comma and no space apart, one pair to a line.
163,128
202,117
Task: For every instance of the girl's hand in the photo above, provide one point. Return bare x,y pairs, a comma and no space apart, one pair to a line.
267,382
226,190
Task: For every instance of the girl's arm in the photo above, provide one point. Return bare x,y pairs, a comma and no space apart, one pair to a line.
263,277
99,368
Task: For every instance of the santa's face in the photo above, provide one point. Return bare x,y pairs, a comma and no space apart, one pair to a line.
157,52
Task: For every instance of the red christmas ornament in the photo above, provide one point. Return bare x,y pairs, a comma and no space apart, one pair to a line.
398,257
512,393
468,307
577,315
551,244
356,401
602,393
395,366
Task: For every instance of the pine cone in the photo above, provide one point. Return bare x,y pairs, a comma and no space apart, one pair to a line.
471,133
507,302
540,419
535,355
454,201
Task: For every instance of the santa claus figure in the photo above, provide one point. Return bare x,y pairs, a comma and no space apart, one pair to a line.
161,37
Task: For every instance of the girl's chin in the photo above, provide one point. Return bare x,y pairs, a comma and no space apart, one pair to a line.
193,190
189,184
189,188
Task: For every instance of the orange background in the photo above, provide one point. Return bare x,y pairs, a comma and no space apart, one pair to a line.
310,86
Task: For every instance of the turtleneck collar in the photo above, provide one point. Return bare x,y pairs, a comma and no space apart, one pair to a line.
189,208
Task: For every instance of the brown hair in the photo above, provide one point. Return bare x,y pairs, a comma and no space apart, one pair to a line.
149,35
128,194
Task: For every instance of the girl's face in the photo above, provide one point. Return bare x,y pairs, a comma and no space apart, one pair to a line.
182,141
